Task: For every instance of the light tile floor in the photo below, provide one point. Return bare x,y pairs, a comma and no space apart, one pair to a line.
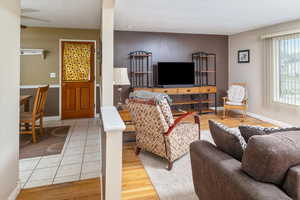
79,159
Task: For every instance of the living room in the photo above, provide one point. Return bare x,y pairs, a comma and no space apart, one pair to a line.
250,73
182,102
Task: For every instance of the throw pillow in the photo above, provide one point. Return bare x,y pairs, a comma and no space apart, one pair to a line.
228,140
267,158
249,131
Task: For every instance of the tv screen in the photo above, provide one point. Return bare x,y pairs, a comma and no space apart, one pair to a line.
175,74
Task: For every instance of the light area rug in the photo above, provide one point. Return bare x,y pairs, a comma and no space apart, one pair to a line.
176,184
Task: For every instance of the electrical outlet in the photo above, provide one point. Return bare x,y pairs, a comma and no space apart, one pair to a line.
52,75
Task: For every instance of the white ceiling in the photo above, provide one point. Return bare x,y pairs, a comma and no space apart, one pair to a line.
181,16
83,14
203,16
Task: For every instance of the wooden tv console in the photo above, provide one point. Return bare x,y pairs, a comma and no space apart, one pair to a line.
189,91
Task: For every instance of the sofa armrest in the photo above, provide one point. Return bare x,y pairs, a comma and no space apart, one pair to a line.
291,183
216,175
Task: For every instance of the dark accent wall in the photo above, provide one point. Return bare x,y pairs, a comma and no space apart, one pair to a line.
172,47
52,103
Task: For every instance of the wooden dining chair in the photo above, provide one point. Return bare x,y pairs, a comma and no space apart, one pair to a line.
28,119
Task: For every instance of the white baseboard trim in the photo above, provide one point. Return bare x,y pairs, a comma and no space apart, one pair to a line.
218,108
55,118
36,86
52,118
262,118
269,120
14,194
51,86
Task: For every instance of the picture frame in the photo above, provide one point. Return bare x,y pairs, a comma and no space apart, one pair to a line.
244,56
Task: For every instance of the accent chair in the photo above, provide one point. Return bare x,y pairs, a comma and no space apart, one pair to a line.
236,99
157,131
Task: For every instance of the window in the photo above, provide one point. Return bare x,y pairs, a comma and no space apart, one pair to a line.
286,69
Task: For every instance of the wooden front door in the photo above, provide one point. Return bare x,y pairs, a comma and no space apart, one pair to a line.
77,79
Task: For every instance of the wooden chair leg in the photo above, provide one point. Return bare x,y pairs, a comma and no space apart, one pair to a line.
224,113
170,166
33,132
137,150
42,126
244,115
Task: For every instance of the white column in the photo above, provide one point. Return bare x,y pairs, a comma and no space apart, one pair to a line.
10,98
107,39
111,145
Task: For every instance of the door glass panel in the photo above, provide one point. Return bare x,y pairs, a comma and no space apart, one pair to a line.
77,58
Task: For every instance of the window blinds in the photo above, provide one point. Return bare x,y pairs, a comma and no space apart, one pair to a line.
283,69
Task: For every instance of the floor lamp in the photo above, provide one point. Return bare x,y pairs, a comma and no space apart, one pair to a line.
120,79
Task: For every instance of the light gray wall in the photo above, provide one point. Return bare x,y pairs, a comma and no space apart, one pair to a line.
252,73
9,99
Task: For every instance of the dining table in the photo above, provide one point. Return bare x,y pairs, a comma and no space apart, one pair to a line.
25,100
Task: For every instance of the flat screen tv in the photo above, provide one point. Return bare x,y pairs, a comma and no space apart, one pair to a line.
175,74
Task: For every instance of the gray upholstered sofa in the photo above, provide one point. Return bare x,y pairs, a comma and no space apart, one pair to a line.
269,169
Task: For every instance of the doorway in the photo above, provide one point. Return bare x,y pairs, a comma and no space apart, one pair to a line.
77,95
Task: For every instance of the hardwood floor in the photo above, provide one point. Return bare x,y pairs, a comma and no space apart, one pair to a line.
80,190
233,120
136,183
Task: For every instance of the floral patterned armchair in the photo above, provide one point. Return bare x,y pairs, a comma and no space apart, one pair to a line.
157,131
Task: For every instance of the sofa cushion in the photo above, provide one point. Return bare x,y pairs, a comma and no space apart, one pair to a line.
249,131
267,158
228,140
292,182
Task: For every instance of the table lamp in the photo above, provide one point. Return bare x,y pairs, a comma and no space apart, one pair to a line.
120,79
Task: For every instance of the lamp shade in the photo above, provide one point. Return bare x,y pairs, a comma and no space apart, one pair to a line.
121,76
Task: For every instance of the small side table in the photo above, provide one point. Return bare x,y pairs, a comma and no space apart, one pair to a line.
126,117
129,133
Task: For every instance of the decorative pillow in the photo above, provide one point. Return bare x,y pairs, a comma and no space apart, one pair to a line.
267,158
249,131
227,140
